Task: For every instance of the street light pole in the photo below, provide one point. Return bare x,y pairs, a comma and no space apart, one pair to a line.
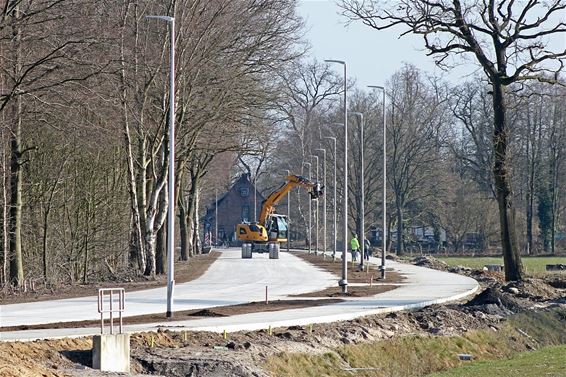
344,282
216,217
171,181
384,237
316,208
288,217
334,207
310,210
362,190
323,200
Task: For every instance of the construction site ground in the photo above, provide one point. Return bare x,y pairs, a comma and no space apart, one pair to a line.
539,305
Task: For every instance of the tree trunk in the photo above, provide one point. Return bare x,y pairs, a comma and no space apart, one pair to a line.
183,229
511,257
15,221
400,247
155,216
5,205
161,247
137,242
44,246
150,240
554,201
47,210
87,239
161,250
16,171
529,223
530,194
196,224
192,216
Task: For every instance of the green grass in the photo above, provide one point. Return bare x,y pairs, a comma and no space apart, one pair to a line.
420,355
548,361
533,265
409,356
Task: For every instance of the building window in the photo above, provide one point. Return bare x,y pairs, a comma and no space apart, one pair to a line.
244,191
245,212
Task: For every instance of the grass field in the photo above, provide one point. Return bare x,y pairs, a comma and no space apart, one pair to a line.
533,265
421,355
548,361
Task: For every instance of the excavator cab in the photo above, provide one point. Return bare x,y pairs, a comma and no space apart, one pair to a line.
277,228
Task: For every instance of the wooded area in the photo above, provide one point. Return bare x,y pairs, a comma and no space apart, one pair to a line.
84,120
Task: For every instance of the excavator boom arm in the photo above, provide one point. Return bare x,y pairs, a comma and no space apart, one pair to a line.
276,196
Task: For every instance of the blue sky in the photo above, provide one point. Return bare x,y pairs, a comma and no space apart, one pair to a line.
372,56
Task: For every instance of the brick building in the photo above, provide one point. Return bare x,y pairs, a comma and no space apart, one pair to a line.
234,207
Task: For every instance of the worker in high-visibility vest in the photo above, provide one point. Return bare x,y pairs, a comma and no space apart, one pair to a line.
354,246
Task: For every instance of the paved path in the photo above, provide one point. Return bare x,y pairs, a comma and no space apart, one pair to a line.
231,280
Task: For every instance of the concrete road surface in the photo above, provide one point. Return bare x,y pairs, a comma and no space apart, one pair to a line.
232,280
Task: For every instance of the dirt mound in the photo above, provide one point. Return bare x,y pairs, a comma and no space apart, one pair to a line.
493,300
556,282
206,363
429,262
534,289
206,313
41,358
462,270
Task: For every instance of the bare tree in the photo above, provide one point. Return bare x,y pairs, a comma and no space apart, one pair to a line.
225,88
507,39
471,108
552,157
43,52
415,133
373,151
308,94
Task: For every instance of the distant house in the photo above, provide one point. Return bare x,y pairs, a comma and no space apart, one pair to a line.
234,207
424,235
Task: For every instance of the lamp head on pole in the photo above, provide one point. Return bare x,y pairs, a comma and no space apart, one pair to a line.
334,61
358,114
376,87
164,18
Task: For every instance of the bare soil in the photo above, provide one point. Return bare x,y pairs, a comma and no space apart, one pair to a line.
354,274
185,271
353,291
367,277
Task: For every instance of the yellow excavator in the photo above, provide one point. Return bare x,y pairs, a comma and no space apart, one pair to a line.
271,228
